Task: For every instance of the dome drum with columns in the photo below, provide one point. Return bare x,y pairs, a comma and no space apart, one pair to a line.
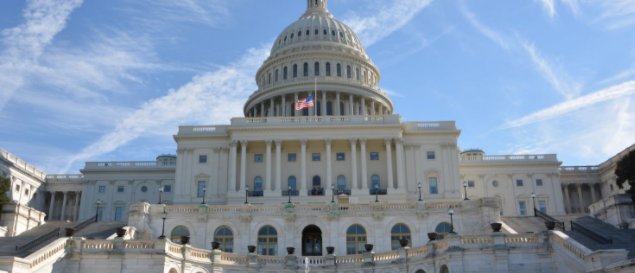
318,52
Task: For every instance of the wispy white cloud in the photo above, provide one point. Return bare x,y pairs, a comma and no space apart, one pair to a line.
573,5
616,13
388,17
614,92
488,32
213,97
558,78
549,7
26,42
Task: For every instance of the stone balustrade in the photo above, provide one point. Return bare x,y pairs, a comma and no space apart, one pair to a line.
509,158
579,169
21,164
119,165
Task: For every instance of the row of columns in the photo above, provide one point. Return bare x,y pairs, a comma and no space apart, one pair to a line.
274,107
62,217
567,197
269,186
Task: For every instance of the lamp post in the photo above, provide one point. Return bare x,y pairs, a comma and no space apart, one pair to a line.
205,189
97,211
246,194
419,186
332,193
376,193
533,197
289,194
160,192
465,188
164,215
451,212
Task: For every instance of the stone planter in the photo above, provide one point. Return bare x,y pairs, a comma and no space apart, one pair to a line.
215,245
251,249
496,227
290,250
551,225
185,240
330,250
404,242
121,232
369,247
432,236
69,232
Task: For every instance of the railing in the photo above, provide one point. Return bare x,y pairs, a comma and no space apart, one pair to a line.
590,233
291,192
510,158
547,217
84,224
19,163
575,248
579,169
347,192
131,164
52,253
378,191
256,193
39,241
315,192
311,120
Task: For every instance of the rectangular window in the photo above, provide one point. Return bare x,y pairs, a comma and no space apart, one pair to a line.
431,155
542,206
167,188
100,212
291,158
538,182
470,184
202,159
340,157
102,189
119,188
433,185
316,157
523,207
519,183
201,185
374,156
258,158
118,211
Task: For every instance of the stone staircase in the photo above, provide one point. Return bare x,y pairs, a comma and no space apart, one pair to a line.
525,224
622,238
100,230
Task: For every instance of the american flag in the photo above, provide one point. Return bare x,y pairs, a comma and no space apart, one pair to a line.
304,103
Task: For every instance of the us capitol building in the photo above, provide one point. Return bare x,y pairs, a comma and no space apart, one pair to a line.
344,186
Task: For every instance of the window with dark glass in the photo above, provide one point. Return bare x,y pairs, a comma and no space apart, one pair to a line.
317,69
433,185
340,157
177,232
202,159
519,183
397,233
355,240
470,184
306,70
200,191
291,157
328,69
443,230
431,155
167,188
295,70
284,73
268,241
225,237
341,183
258,158
102,189
316,157
538,182
120,188
374,156
348,71
339,70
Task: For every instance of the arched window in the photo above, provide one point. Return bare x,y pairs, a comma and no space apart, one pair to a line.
306,70
332,32
268,241
329,108
328,69
348,71
442,230
295,70
291,183
500,203
355,240
257,186
317,69
317,182
316,32
291,35
276,77
399,232
357,74
444,269
225,237
325,32
374,181
308,32
341,183
284,73
177,232
299,33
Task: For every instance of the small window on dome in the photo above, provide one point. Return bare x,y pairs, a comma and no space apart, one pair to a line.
299,33
291,35
317,31
332,32
341,34
308,32
279,41
325,32
285,38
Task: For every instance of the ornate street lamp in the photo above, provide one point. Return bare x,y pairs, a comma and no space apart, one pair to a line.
332,193
97,211
289,194
376,193
533,197
465,188
205,189
164,215
451,212
160,192
246,194
419,186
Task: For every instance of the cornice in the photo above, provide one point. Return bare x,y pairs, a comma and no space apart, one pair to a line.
345,126
202,136
507,163
124,170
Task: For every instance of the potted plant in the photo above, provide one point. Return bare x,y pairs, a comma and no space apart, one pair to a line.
551,225
496,227
251,249
404,242
290,250
185,240
121,232
215,245
330,250
369,247
432,236
69,232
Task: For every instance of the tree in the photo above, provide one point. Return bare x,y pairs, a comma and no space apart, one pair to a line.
5,186
625,172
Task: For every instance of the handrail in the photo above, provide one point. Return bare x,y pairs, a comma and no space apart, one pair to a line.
84,224
42,239
590,233
547,217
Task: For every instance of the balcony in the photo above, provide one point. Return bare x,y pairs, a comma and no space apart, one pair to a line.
378,191
291,192
256,193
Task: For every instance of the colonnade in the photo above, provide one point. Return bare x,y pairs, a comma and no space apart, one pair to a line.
74,204
342,104
270,185
581,206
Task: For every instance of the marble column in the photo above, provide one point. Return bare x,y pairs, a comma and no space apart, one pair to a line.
63,214
581,210
271,108
283,107
388,143
364,112
303,191
362,144
400,164
324,113
278,165
243,164
268,167
592,188
232,166
76,207
381,109
329,179
50,215
567,200
372,108
354,164
262,109
350,105
337,102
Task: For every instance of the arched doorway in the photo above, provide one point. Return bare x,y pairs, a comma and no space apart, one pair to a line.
312,241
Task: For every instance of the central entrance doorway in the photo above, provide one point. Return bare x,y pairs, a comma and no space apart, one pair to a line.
312,241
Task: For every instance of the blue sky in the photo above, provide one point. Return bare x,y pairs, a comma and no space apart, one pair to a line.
112,80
